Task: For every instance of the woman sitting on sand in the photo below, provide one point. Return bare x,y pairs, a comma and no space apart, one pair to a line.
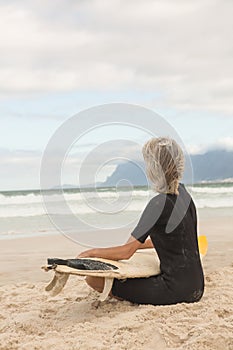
169,225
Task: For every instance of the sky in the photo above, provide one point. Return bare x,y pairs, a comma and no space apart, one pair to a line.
63,56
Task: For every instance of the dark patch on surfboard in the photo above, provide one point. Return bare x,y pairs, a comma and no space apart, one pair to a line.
82,264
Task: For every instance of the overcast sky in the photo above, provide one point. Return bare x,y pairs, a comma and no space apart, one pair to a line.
60,57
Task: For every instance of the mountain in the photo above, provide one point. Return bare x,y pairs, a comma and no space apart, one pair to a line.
133,172
213,165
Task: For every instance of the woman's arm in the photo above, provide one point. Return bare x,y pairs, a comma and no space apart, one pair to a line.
124,251
114,253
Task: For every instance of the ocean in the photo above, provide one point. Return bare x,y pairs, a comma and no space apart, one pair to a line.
23,213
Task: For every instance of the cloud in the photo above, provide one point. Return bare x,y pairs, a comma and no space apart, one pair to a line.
20,169
178,48
224,143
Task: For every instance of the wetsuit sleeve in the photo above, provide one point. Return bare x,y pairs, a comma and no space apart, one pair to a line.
150,217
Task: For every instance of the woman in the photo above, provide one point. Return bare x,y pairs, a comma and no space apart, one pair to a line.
168,224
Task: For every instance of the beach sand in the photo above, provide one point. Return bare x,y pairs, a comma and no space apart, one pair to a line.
31,319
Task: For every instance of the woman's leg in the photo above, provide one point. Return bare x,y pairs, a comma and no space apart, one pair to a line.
145,290
97,283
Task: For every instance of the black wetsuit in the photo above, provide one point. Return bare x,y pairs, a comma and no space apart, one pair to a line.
171,223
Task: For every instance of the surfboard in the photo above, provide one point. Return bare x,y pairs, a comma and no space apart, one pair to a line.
144,263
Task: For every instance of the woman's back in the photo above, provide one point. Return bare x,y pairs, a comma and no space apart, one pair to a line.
171,222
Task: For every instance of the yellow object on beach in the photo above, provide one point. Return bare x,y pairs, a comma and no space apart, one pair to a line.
203,245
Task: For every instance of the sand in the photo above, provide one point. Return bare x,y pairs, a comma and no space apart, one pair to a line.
31,319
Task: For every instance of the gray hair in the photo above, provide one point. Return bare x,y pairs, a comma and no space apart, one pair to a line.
164,160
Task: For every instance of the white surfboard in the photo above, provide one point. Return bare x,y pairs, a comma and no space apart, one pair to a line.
144,263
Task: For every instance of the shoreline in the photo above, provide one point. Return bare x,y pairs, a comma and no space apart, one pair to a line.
204,215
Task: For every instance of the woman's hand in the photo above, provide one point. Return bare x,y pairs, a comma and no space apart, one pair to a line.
90,253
